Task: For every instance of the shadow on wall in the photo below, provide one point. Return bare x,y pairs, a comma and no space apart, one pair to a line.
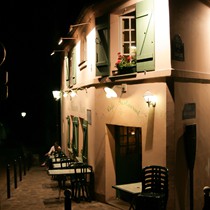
150,128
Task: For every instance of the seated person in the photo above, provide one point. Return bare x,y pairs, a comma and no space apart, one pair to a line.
54,149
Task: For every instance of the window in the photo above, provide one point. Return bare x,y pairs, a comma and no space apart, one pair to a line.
128,34
83,48
102,45
137,35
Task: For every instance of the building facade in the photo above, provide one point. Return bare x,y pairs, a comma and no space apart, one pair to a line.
166,45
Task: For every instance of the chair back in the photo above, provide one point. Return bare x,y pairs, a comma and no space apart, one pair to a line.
81,181
61,163
154,193
155,179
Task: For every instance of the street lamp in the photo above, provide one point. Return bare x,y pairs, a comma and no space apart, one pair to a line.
23,114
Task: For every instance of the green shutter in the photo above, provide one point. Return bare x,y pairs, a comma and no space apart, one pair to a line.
68,133
145,35
85,141
73,67
75,136
102,45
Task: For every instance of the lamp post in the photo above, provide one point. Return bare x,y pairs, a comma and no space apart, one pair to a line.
57,96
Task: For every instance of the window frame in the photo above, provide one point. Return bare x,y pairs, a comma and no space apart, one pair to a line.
130,42
83,48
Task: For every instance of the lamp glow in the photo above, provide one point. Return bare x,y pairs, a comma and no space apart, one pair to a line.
56,94
65,94
76,25
110,93
62,38
150,98
54,51
23,114
73,93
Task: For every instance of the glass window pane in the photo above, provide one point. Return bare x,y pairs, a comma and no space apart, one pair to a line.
133,35
125,23
126,48
126,35
133,23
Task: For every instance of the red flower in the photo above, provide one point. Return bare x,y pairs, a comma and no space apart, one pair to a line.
123,61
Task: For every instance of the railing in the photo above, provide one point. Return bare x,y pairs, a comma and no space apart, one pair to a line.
18,169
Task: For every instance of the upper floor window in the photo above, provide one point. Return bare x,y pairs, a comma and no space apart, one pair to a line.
128,34
132,35
83,48
102,41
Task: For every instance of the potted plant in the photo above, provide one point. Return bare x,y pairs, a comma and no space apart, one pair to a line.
125,64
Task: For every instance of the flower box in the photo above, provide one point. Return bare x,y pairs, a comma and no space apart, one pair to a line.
125,64
126,69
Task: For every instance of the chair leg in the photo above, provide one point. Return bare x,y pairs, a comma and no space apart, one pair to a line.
88,198
59,193
77,193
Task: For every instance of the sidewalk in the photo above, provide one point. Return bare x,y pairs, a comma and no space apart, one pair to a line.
37,191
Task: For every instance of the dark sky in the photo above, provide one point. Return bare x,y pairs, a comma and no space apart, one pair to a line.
30,31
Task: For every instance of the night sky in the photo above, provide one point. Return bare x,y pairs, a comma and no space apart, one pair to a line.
30,31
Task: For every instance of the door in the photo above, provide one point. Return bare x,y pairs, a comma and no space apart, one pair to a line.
128,154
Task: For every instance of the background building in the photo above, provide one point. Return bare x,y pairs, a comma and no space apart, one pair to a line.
117,136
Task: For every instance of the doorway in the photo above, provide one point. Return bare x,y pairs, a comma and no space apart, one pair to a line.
128,154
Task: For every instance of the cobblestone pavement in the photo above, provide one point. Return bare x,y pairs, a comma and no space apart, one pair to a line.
37,191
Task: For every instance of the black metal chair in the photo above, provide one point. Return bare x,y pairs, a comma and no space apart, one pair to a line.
206,191
61,163
81,182
154,193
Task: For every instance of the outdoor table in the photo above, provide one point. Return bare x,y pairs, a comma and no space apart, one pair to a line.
132,188
70,171
74,172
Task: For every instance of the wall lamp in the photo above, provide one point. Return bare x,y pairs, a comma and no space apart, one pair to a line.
65,94
110,93
77,25
72,93
150,98
54,51
65,38
56,94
